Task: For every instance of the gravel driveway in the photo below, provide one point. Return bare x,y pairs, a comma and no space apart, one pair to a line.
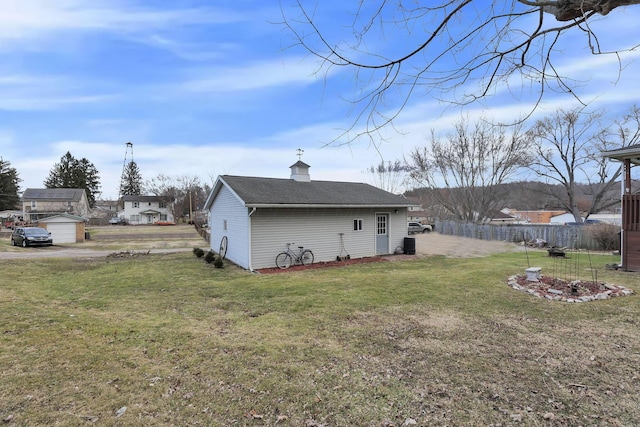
426,244
460,247
62,252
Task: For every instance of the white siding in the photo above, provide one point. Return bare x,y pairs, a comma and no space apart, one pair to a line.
318,230
62,232
227,208
397,228
134,217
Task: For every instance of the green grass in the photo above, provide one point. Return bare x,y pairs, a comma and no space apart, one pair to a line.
441,341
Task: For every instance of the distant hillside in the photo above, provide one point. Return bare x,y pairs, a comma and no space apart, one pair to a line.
533,195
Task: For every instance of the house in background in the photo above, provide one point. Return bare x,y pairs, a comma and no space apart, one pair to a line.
256,217
38,203
417,211
503,217
145,210
535,217
103,211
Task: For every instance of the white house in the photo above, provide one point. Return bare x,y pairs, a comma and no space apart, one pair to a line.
145,210
256,217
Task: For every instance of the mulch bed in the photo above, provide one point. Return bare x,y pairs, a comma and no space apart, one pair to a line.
325,264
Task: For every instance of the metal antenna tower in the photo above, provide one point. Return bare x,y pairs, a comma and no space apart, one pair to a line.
128,158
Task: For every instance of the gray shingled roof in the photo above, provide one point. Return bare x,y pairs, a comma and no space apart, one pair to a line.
133,198
53,194
256,191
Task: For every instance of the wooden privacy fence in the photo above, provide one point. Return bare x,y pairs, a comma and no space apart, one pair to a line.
203,232
569,236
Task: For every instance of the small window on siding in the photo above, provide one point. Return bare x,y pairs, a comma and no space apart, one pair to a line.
135,204
224,224
357,225
33,204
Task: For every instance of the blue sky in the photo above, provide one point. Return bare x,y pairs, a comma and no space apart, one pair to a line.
204,88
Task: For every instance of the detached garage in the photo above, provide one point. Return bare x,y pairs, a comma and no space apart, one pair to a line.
253,218
64,228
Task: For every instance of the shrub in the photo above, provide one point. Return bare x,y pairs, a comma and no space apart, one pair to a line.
198,252
217,261
606,236
209,257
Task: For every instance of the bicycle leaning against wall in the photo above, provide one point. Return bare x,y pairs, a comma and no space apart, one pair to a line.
288,257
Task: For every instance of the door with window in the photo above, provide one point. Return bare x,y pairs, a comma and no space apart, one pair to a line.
382,234
149,219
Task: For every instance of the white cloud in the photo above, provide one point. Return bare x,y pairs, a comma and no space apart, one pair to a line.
255,75
35,23
31,92
35,103
27,17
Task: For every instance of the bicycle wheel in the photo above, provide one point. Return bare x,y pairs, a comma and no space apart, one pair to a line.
283,260
223,247
306,257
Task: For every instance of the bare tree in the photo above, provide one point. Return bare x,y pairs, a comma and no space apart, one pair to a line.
183,194
568,147
460,51
464,173
389,176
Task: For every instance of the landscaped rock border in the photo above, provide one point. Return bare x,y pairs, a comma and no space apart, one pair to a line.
555,289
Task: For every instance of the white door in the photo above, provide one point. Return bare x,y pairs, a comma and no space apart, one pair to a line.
62,232
382,234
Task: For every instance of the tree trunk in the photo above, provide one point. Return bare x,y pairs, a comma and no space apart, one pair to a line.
566,10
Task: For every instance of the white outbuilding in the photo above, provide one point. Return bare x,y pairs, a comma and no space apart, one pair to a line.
64,228
253,218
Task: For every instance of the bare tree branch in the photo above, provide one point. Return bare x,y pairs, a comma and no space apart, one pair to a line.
568,152
455,63
465,172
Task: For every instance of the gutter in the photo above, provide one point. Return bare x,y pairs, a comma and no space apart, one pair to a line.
329,206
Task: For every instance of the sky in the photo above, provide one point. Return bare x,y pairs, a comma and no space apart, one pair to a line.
204,88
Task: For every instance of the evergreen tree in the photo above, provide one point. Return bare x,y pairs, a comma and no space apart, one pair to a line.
74,173
9,180
131,180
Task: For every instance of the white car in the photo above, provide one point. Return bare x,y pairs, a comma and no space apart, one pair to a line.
416,227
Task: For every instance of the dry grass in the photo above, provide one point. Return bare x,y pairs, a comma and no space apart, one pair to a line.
438,341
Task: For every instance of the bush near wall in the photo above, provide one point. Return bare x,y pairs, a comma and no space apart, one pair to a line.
607,236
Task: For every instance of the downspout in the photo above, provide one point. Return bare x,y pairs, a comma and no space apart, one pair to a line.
249,237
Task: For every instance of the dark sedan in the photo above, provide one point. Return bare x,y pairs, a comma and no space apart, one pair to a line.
28,236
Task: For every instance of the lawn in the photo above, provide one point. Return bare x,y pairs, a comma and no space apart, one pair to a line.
170,340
